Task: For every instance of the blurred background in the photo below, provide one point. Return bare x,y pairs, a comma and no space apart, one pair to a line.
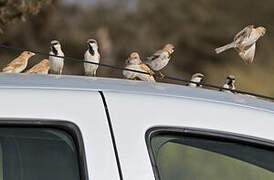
196,28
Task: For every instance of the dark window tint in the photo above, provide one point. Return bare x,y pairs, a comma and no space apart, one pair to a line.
192,158
37,154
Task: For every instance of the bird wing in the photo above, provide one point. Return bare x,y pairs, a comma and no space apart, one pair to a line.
156,55
243,33
16,63
40,67
248,55
253,38
147,69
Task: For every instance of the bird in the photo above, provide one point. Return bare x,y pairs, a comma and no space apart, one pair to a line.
198,78
91,55
229,84
56,63
160,58
245,42
40,68
135,63
19,64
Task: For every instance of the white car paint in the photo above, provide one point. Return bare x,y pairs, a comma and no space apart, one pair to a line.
134,107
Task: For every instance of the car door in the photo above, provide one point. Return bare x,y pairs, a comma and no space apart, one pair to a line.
134,116
63,133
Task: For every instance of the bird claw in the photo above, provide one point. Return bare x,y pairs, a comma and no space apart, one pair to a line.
162,76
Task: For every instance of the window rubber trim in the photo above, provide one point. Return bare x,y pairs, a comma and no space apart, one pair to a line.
203,134
72,129
112,136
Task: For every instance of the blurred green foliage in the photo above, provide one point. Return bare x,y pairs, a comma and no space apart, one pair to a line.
196,28
11,10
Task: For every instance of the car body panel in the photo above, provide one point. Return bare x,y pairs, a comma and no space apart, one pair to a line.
127,86
133,114
83,108
134,107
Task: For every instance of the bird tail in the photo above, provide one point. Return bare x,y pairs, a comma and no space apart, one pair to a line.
224,48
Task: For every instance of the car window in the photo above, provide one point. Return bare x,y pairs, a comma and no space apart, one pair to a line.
37,153
197,158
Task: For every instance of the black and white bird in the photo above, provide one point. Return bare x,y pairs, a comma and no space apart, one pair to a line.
56,64
198,78
160,58
91,55
229,84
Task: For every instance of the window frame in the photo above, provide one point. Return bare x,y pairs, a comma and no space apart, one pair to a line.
203,134
71,128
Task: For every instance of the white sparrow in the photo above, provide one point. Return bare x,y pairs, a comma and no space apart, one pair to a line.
19,64
245,43
91,55
198,78
160,58
56,64
135,63
229,84
40,68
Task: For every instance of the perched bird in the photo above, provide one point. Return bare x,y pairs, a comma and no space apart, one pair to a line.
229,84
198,78
160,58
135,63
56,64
245,43
19,64
40,68
91,55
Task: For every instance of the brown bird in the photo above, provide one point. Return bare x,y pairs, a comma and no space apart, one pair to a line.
160,58
245,43
19,64
135,63
40,68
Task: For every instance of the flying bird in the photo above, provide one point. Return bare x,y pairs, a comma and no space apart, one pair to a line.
91,55
56,63
198,78
135,63
245,42
19,64
229,84
160,58
40,68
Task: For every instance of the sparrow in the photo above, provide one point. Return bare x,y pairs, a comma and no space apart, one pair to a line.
40,68
56,64
245,42
91,55
19,64
198,78
229,84
160,58
135,63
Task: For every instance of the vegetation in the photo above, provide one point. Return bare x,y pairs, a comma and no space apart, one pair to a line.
12,10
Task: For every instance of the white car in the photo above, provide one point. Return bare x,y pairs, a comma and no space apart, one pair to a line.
80,128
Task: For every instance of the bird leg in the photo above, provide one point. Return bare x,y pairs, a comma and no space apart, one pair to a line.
161,75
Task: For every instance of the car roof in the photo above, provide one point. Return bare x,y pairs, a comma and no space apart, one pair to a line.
68,82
